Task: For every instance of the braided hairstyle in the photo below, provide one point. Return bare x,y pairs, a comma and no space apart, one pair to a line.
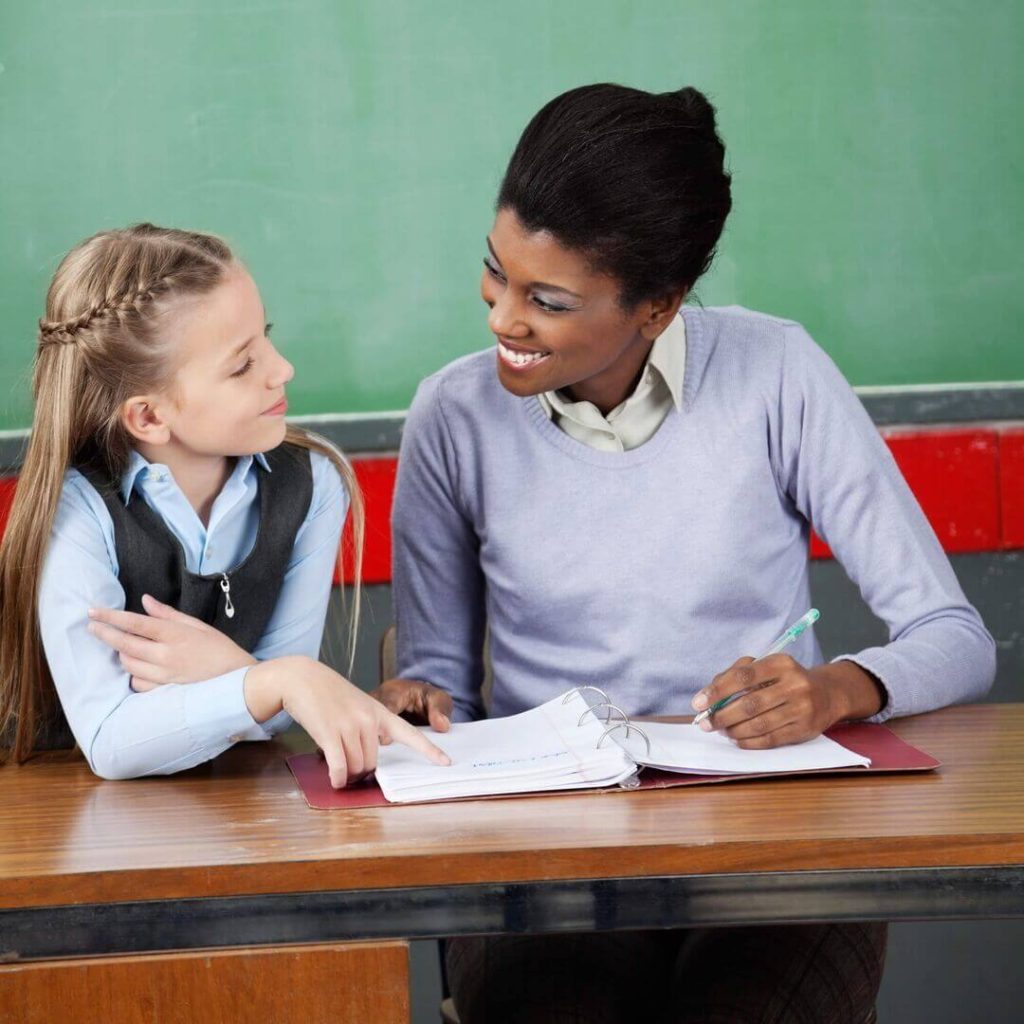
65,332
107,334
633,180
103,337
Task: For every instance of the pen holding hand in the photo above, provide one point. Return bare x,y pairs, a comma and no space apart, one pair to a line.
783,641
774,700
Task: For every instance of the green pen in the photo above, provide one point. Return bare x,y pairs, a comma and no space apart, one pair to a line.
784,641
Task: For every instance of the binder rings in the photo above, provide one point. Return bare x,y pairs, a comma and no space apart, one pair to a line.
547,751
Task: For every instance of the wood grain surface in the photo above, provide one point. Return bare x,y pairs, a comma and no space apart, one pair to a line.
239,826
343,984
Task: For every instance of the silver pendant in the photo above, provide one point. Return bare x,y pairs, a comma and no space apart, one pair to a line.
225,585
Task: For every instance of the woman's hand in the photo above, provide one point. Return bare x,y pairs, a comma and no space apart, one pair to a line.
345,723
419,702
165,645
785,702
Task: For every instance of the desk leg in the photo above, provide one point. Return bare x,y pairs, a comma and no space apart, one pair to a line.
355,983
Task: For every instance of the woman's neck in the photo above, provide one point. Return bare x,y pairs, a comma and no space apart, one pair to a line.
613,386
200,477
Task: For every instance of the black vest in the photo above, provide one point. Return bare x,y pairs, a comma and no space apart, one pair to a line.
238,602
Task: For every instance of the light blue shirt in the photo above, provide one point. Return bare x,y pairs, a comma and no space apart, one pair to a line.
125,734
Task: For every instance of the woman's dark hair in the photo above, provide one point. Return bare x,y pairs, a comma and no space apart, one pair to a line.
634,180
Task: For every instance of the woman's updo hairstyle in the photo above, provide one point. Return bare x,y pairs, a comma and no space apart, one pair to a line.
634,180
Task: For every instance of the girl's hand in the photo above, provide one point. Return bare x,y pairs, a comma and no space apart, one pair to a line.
165,645
345,723
419,702
787,703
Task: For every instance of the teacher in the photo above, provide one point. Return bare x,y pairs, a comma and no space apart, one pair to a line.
621,491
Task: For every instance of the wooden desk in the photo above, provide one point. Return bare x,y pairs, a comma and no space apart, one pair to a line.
229,855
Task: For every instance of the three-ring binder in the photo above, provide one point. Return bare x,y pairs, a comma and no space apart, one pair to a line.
609,709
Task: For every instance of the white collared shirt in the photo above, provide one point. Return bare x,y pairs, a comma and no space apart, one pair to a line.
636,420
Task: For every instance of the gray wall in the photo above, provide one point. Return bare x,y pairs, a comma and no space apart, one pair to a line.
946,973
939,973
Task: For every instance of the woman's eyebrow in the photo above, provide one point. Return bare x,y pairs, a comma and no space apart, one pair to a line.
542,285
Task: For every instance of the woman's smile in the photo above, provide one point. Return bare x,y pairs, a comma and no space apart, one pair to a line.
518,357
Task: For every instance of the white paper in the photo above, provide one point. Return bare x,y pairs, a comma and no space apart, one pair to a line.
543,749
688,748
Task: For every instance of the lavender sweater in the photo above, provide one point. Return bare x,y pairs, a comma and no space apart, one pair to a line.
647,572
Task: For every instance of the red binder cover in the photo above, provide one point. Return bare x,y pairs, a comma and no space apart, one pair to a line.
887,751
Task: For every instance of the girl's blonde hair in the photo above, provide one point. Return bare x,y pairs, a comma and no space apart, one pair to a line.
104,338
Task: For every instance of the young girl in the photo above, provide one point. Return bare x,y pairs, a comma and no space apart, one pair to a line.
161,478
623,494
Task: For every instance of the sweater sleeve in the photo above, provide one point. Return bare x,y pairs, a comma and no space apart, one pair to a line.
438,585
842,478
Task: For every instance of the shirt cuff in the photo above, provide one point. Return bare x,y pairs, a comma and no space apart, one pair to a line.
216,712
281,721
879,662
463,711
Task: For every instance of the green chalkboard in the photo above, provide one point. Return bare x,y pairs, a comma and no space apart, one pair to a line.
351,151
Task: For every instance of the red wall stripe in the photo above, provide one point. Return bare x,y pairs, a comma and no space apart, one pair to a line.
970,483
7,485
819,549
954,474
1011,479
377,482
